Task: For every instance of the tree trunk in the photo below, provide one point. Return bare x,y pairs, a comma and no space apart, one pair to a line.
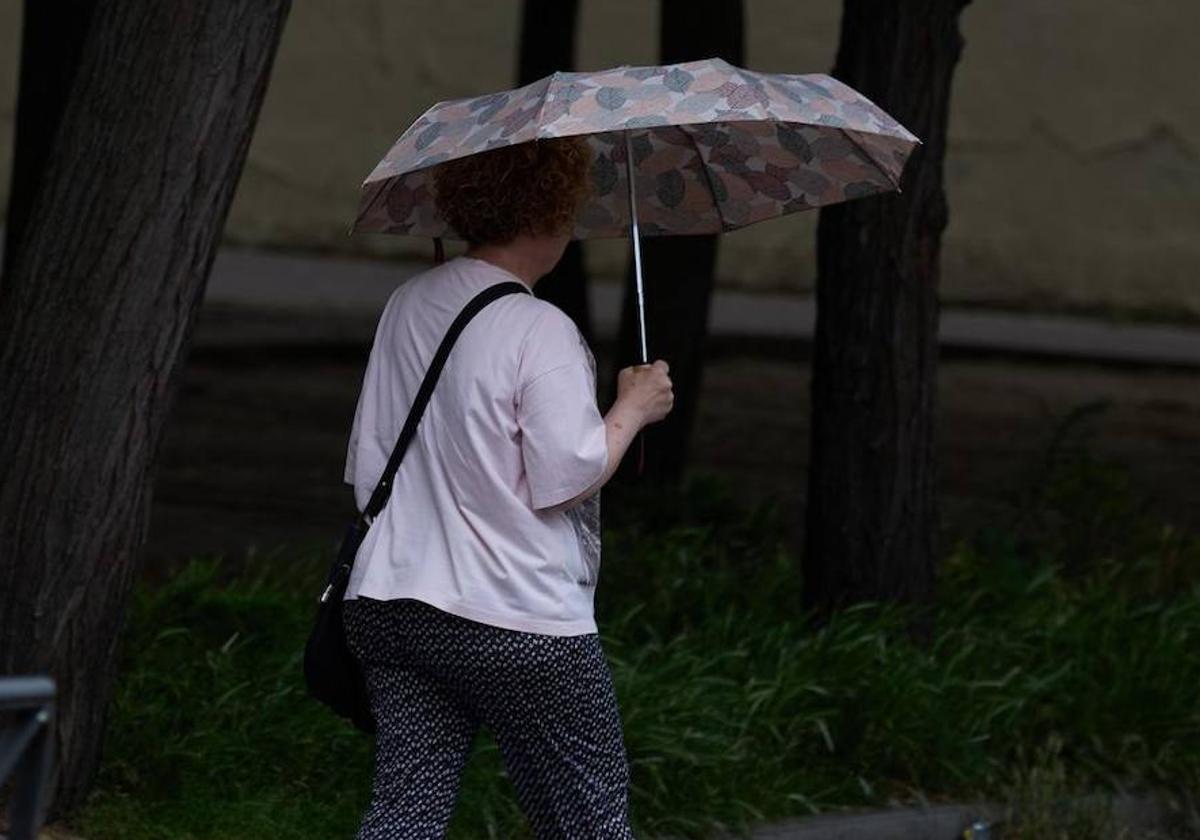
677,271
547,45
95,320
51,42
872,517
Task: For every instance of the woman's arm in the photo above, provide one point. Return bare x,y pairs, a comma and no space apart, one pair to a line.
644,396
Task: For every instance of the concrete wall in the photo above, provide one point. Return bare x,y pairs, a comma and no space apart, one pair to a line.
1073,170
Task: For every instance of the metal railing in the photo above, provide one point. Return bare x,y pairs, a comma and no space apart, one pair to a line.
27,707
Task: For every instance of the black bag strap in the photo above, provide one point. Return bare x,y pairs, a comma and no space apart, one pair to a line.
384,488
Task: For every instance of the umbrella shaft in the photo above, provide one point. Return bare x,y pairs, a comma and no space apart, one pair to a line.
637,250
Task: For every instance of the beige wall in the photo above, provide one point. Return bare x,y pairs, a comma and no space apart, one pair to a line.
1073,170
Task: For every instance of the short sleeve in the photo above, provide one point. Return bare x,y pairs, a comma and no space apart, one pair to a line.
564,442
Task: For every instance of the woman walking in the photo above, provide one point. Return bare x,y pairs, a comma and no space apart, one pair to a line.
471,598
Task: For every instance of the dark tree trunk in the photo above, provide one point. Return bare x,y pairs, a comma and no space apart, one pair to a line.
547,45
95,321
677,271
51,42
872,517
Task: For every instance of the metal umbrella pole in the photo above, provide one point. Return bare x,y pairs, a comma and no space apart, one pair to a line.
637,248
637,266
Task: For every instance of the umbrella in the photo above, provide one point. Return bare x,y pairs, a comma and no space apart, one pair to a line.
695,147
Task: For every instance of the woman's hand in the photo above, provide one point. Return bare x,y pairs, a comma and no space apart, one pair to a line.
646,392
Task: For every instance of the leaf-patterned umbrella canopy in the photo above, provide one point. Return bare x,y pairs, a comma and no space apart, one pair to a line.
715,147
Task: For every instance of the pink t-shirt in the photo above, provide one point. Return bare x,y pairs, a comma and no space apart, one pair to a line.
512,427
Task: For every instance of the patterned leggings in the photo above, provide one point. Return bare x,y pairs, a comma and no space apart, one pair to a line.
434,677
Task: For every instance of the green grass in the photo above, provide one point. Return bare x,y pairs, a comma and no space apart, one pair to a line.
1076,624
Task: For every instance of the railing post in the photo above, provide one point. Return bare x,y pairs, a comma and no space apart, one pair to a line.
25,750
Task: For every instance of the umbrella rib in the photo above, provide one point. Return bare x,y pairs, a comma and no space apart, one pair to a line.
863,149
707,179
377,192
537,123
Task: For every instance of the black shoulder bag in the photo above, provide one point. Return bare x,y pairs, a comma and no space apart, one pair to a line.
331,672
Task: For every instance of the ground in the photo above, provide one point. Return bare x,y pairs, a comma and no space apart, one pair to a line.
254,451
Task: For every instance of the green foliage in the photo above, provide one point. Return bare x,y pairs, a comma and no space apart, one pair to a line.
211,732
1059,631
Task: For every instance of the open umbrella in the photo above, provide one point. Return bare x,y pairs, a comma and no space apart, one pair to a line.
697,147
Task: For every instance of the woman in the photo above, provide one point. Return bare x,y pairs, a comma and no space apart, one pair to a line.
471,599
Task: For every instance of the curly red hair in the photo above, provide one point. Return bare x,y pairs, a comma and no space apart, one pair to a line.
533,187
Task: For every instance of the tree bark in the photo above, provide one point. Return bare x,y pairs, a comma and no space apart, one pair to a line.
872,517
95,320
547,45
52,35
677,271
